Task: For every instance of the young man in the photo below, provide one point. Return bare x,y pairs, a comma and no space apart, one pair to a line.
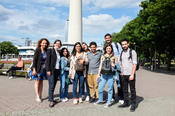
94,63
117,50
18,66
128,63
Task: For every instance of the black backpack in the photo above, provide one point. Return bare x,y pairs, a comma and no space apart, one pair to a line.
106,67
130,57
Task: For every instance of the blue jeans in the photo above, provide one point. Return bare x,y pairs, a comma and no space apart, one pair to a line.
109,79
78,76
87,87
64,86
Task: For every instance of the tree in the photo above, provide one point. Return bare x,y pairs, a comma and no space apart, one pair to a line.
152,30
8,48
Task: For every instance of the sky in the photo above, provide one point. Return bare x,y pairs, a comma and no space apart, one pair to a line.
34,19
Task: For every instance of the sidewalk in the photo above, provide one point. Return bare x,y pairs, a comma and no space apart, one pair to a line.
154,95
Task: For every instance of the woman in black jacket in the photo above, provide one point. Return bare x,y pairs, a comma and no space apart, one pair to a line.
39,65
53,68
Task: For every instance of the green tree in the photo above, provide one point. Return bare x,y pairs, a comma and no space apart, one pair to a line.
8,48
152,30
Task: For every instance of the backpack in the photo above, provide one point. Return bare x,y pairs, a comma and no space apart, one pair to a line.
106,67
130,57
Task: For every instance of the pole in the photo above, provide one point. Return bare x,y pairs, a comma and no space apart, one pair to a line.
75,22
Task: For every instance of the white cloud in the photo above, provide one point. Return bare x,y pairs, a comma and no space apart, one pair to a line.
15,40
32,22
114,3
57,2
5,13
103,23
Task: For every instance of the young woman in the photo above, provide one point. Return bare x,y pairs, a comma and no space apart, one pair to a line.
38,67
64,79
77,71
53,68
105,74
86,49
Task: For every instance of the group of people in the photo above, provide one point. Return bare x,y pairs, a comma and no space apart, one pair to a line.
86,68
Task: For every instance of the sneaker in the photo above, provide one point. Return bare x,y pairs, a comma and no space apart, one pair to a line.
87,99
51,104
38,100
107,105
62,99
121,101
30,79
113,100
4,73
11,77
83,97
66,99
124,105
80,100
92,100
75,101
98,102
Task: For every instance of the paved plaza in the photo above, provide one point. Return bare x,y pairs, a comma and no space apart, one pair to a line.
155,97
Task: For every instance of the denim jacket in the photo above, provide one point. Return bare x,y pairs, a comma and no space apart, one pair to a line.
64,65
117,71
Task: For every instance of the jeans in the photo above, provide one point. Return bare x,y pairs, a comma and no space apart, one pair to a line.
125,82
64,86
109,79
78,76
87,87
52,79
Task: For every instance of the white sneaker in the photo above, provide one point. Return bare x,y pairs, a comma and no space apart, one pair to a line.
62,100
87,99
107,105
80,100
121,101
4,73
11,77
112,100
75,101
38,100
66,99
30,79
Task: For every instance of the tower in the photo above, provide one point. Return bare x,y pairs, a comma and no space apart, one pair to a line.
75,22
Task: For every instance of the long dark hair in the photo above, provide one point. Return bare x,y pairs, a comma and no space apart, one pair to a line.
86,45
108,45
40,41
74,50
62,50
